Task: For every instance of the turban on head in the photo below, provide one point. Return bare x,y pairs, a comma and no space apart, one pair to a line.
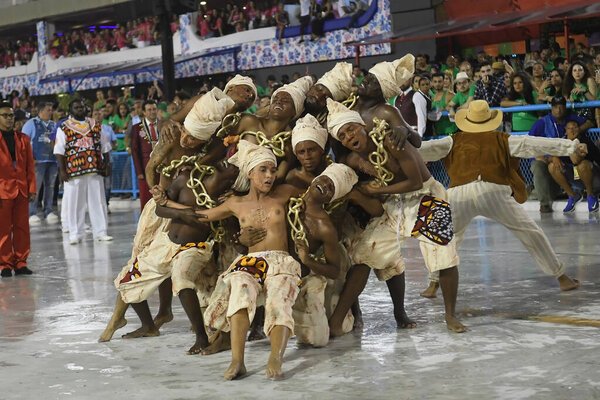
343,178
308,128
248,156
392,75
339,115
297,90
207,114
338,81
241,80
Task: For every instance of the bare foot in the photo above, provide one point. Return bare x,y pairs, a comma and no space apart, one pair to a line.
567,283
274,367
335,329
163,318
141,332
235,370
431,291
403,322
454,324
110,329
256,334
219,343
198,347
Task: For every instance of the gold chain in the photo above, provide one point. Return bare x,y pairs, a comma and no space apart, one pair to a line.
203,199
350,102
229,122
297,232
276,143
380,156
175,164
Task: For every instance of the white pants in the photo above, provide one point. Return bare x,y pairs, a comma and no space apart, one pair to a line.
495,202
87,190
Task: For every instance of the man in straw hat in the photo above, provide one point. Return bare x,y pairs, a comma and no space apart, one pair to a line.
267,268
483,166
401,177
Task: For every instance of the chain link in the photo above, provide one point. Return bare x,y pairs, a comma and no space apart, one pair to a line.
229,122
380,157
276,143
297,232
203,199
350,102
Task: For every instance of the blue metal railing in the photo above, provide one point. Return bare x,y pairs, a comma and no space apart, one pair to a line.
439,172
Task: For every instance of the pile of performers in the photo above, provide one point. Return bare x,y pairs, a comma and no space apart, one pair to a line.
256,229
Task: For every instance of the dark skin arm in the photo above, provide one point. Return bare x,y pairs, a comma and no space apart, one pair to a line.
62,168
370,204
409,164
394,119
164,146
331,269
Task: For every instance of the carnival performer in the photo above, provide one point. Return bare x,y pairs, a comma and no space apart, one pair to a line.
267,268
400,176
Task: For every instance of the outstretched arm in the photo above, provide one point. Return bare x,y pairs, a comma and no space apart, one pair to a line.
524,146
218,213
433,150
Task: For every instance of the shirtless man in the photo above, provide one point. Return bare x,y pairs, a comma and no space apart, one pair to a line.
268,267
150,224
189,271
407,180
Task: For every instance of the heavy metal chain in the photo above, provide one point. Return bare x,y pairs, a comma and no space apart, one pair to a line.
350,102
229,122
203,199
276,143
176,164
380,156
297,232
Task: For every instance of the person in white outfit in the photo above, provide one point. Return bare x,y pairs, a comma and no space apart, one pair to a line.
83,159
483,166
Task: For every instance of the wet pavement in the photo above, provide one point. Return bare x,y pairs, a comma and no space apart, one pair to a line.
50,323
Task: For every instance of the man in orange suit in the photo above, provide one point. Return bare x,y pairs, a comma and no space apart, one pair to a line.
144,137
17,189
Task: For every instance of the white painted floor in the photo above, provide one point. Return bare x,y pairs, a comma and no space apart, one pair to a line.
50,323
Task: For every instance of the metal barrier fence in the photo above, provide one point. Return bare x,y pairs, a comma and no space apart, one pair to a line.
439,172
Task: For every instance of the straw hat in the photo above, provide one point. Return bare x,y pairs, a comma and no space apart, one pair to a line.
478,117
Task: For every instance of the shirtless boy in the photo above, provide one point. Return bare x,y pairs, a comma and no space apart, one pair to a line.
268,266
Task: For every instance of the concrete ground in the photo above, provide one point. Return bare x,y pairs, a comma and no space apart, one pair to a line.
50,323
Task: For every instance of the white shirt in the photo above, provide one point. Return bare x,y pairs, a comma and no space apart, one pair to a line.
304,7
421,110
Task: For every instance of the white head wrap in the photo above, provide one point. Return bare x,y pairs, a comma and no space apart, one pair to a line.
343,177
308,128
338,81
339,115
206,115
248,156
241,80
297,90
392,75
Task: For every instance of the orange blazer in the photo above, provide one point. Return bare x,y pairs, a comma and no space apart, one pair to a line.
18,177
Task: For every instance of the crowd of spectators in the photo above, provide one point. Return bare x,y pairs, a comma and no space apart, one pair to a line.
263,13
139,33
16,53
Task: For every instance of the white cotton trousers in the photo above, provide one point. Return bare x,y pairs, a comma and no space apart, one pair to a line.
495,202
80,193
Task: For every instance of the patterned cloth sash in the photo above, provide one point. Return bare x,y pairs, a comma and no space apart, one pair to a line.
255,266
434,220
